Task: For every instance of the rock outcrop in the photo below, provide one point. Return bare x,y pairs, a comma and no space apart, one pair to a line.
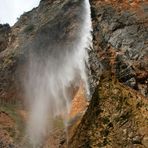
121,40
115,118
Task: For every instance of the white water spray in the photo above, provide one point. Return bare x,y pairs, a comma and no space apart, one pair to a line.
50,82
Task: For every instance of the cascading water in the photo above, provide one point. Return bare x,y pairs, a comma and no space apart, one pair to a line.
54,73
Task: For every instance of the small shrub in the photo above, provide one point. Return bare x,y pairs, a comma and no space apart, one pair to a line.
29,28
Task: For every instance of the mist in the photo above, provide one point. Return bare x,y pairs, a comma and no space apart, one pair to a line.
57,65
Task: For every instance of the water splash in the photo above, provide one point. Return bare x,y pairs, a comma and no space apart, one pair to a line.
54,73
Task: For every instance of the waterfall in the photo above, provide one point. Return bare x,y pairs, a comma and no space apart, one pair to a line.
52,76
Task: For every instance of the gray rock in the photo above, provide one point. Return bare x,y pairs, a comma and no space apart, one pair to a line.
137,140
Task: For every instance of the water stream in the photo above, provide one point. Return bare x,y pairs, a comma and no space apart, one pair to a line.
52,78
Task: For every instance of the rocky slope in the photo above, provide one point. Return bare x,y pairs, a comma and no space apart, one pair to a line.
117,117
117,114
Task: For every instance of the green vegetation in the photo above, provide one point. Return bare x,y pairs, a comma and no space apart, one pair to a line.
16,131
29,28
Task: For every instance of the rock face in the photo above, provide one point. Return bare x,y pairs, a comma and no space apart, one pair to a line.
117,114
115,118
4,36
121,40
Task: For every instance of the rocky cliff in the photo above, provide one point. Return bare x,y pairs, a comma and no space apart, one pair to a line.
114,118
120,40
117,114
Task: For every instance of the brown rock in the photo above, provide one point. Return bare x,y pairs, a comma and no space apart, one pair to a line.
114,118
120,40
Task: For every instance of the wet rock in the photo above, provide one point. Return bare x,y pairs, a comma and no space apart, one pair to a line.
95,70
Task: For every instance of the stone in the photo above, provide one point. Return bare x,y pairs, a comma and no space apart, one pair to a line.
137,140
